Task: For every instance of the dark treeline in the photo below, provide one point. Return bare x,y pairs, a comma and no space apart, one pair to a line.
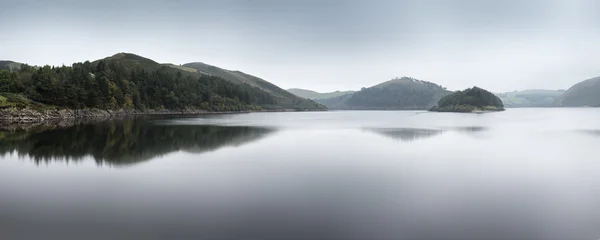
122,142
109,84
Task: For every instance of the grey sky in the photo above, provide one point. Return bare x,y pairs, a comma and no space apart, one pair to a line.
324,45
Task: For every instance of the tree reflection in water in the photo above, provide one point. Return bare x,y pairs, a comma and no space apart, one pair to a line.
121,142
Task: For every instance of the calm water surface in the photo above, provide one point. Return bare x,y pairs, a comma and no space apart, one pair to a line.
518,174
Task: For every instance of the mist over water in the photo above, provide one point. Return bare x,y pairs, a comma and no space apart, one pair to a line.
518,174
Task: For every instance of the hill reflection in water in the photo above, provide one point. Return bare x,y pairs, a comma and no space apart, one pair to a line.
412,134
121,142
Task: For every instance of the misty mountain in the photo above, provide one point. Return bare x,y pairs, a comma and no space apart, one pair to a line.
585,93
397,94
304,93
530,98
283,98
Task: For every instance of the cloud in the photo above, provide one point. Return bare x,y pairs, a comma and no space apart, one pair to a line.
325,45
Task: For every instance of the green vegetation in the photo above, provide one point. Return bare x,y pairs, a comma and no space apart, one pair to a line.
10,65
583,94
283,98
397,94
530,98
122,142
8,100
128,81
469,100
303,93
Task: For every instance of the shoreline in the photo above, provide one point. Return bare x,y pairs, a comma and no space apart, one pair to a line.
25,115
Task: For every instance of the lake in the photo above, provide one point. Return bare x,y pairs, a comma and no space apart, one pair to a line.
518,174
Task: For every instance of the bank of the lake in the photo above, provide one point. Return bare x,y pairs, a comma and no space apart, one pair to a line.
26,115
466,109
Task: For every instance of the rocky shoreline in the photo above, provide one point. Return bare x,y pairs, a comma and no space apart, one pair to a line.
14,115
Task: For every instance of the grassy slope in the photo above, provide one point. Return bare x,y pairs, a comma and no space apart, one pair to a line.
285,98
8,100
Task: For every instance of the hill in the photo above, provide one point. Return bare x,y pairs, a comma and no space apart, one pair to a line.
10,65
530,98
128,81
585,93
283,98
317,95
397,94
469,100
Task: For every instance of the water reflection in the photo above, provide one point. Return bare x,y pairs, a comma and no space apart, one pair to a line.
120,142
468,129
592,132
406,134
412,134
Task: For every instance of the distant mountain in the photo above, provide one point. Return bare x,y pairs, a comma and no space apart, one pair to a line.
530,98
317,95
586,93
469,100
10,65
284,98
338,102
397,94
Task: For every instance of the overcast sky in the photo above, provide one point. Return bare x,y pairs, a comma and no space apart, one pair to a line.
324,45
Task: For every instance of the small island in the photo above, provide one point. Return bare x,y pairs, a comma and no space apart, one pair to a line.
469,100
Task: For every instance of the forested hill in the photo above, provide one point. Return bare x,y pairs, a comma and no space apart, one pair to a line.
469,100
282,97
397,94
128,81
